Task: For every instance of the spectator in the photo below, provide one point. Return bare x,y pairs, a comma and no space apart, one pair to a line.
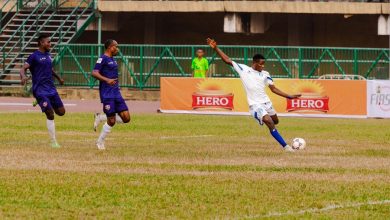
200,65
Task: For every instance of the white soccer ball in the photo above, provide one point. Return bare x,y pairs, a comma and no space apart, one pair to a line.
298,144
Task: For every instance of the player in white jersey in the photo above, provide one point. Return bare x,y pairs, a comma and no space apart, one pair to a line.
255,80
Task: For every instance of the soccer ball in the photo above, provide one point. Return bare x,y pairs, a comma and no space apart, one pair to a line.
298,144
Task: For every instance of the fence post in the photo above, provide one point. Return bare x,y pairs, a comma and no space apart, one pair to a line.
3,61
246,56
19,5
91,63
300,70
355,62
61,66
141,67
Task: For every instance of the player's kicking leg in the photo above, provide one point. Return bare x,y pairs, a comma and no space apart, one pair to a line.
262,115
270,122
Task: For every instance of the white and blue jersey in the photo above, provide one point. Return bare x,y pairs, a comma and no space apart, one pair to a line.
254,82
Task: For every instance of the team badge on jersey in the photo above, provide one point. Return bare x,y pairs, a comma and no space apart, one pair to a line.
44,104
99,60
107,107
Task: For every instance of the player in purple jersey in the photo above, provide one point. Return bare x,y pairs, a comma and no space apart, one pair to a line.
114,106
44,90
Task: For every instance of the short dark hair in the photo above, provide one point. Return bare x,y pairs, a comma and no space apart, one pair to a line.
258,57
41,37
108,43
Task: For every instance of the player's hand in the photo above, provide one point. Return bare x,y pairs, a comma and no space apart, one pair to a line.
111,82
294,96
61,81
23,80
212,43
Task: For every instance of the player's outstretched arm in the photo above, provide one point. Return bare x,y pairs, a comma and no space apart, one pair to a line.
97,75
23,77
283,94
60,80
213,44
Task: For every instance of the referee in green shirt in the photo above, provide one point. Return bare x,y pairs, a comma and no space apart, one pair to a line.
200,65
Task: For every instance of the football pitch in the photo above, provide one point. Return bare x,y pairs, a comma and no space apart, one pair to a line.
194,167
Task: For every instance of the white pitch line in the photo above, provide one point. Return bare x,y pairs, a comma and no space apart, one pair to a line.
180,137
26,104
314,210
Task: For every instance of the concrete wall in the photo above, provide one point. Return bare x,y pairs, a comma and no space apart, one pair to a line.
284,30
245,6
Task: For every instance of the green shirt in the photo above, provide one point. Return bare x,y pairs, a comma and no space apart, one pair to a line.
200,67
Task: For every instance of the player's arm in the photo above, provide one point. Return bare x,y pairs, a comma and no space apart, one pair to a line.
97,75
23,76
283,94
60,80
213,44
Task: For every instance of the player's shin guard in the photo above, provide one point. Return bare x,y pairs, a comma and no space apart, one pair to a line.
278,137
52,129
105,130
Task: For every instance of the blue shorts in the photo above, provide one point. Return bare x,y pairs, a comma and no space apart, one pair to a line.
47,102
113,106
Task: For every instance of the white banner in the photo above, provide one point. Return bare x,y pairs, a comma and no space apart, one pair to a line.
378,98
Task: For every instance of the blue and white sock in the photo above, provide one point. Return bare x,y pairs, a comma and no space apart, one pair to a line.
278,137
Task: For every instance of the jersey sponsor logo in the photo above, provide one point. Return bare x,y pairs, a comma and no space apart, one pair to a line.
212,95
99,60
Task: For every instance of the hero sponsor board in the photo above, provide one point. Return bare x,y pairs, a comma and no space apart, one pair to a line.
227,95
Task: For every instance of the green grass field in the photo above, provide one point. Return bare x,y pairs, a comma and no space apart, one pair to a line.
194,167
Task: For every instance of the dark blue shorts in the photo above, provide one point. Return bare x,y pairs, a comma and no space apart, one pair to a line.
113,106
47,102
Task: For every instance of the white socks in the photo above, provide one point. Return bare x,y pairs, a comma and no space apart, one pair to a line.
52,129
103,118
105,130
